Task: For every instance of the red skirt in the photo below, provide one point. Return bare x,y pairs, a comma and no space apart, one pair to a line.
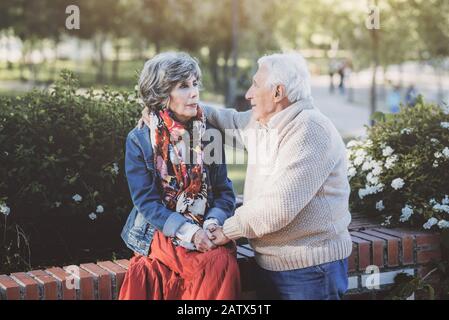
174,273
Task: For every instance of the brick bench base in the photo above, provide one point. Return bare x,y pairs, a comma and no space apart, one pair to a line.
375,249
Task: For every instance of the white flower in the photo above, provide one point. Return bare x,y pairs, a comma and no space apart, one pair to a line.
387,221
115,168
430,223
361,153
368,164
370,190
358,161
5,209
353,143
445,200
368,143
438,155
446,152
388,151
57,204
441,207
433,202
92,216
444,125
434,141
390,162
372,179
100,209
351,172
406,131
377,169
380,205
397,183
435,164
77,198
407,212
443,224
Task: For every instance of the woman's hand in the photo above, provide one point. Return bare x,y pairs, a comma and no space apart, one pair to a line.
202,242
145,119
220,238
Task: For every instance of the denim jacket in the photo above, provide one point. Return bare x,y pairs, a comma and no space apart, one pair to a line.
149,214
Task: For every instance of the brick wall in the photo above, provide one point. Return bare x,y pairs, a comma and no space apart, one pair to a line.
390,250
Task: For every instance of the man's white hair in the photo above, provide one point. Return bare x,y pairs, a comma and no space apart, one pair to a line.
290,70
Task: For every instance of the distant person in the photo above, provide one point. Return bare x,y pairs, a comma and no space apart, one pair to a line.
394,99
333,68
411,96
342,74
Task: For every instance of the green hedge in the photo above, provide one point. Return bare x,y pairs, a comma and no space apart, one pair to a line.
57,144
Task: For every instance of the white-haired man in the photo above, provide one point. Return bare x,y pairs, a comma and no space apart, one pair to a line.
295,211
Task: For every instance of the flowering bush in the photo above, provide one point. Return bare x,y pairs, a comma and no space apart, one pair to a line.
400,172
61,173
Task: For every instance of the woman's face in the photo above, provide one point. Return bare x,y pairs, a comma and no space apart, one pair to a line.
184,99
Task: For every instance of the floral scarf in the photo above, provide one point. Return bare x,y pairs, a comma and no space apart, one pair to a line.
184,187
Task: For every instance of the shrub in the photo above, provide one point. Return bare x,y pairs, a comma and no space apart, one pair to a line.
400,172
61,170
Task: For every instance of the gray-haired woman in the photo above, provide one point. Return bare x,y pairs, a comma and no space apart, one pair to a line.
176,202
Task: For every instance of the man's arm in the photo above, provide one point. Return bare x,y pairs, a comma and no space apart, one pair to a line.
229,121
305,162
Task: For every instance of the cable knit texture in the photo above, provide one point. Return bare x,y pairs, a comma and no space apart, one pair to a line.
295,211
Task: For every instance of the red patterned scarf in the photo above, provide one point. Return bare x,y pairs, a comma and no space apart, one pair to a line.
176,145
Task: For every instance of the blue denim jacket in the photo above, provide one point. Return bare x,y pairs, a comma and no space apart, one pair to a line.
149,214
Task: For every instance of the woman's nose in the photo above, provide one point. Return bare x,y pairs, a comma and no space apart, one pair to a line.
194,92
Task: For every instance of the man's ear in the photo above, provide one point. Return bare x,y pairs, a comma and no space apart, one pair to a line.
280,92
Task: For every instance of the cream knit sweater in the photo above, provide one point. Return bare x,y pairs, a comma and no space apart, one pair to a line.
295,213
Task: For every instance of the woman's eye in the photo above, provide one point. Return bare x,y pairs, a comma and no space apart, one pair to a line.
195,84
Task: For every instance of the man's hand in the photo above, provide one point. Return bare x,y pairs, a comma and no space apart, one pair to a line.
145,119
219,237
202,242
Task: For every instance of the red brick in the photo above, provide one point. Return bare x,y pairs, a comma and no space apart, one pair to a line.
63,278
407,243
364,252
427,240
427,256
352,260
117,271
392,246
9,288
29,286
86,283
124,263
47,282
377,247
103,279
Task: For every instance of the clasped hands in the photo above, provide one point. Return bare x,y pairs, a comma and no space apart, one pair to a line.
209,239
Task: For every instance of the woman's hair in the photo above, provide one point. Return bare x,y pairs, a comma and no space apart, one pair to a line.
289,69
160,75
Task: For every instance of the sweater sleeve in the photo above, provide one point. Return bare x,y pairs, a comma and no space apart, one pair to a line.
230,122
303,164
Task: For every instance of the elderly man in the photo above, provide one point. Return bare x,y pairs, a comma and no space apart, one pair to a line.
295,211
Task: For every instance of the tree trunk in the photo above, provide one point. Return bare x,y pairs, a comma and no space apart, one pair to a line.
55,60
115,64
375,64
101,59
213,68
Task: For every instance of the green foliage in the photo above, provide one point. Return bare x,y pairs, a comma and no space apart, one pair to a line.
400,172
57,144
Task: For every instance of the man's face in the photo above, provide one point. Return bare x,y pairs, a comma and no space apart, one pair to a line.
261,96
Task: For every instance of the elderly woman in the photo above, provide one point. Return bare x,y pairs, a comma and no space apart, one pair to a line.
177,202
